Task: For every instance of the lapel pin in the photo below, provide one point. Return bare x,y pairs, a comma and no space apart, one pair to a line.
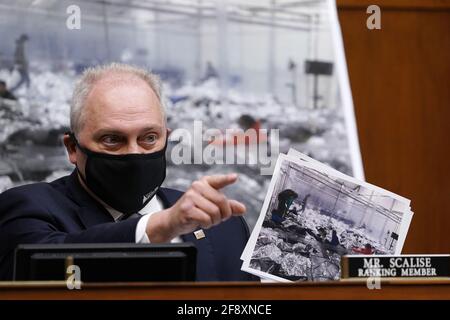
199,234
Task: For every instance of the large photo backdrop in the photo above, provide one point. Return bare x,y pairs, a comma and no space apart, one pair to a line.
262,65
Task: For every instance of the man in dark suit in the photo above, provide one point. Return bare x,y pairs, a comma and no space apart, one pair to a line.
117,144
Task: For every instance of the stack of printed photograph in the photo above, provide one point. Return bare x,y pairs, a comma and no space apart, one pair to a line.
313,215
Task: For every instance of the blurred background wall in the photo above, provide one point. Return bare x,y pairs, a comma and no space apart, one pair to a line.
400,78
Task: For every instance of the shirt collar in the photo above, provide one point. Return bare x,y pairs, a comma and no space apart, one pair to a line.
154,205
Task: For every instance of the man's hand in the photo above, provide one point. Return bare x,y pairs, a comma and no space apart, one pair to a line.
202,205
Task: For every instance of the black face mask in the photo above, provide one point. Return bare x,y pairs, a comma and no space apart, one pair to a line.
124,182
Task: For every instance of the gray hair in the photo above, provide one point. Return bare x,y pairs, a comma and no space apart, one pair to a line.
92,75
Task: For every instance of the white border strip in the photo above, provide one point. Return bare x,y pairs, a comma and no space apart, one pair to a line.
345,92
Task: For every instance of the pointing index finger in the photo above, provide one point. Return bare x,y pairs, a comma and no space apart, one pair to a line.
221,180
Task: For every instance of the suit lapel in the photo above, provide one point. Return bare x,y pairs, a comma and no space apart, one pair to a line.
168,196
90,211
206,268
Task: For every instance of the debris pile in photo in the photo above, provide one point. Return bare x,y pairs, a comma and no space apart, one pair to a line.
288,250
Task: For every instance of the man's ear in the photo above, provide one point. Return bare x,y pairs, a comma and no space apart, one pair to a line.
169,131
71,148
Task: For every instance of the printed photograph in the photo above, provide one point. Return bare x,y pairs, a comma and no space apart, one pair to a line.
312,218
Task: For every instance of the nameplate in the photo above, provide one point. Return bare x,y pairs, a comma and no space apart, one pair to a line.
391,266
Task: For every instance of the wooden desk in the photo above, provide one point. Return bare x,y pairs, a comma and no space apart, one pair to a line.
390,289
400,79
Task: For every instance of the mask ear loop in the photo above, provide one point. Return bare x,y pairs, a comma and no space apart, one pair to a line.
74,139
71,136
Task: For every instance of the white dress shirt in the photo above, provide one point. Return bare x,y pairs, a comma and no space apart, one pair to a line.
152,207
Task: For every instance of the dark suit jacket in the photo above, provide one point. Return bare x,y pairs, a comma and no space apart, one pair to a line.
63,212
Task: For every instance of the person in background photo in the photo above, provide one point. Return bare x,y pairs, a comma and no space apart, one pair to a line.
4,92
21,62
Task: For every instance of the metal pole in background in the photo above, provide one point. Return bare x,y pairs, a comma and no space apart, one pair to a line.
198,46
222,45
106,30
272,39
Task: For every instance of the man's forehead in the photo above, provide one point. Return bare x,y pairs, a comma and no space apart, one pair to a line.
120,79
122,93
121,102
